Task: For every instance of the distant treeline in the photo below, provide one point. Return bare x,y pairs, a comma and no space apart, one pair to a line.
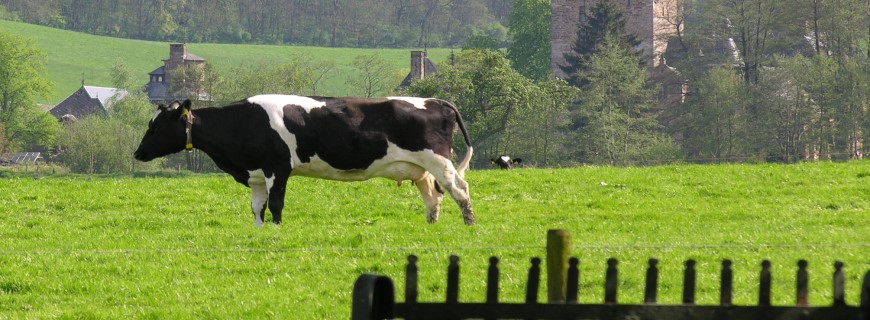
328,23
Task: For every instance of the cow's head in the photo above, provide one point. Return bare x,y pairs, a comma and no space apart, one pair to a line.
166,132
505,162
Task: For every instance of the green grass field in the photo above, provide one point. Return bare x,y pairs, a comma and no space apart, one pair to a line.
72,55
184,246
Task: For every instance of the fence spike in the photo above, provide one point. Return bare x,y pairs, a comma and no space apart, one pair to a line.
573,285
411,280
803,282
610,283
726,288
453,280
534,281
492,276
839,284
652,282
865,295
764,284
689,278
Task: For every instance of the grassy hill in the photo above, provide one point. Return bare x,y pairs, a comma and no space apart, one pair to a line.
73,55
184,247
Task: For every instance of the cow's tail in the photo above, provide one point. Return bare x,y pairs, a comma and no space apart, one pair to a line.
463,165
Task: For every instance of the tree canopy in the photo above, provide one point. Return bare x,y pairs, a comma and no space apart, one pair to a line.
332,23
22,122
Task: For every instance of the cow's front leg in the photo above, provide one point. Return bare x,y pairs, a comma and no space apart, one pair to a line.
259,194
277,187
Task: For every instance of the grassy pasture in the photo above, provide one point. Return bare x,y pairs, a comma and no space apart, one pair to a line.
184,246
72,55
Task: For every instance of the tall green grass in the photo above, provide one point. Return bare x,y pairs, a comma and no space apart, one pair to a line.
184,246
73,55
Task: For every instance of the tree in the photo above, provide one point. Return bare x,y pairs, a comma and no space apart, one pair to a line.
22,66
529,51
122,76
606,20
713,120
505,112
757,27
615,123
104,143
375,75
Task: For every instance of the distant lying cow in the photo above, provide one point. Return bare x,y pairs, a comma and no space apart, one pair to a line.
505,162
263,140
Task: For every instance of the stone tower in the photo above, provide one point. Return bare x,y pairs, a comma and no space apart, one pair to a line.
650,20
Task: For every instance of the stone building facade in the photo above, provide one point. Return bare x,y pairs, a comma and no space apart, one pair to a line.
158,85
652,21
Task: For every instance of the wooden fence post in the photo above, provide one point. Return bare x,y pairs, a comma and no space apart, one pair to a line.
558,253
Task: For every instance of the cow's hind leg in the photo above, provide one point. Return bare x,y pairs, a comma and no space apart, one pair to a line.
431,197
450,180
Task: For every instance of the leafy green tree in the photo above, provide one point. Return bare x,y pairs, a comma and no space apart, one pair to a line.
121,75
23,123
542,129
105,143
529,50
505,112
605,21
615,121
713,120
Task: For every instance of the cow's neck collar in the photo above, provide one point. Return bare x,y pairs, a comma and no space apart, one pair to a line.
188,117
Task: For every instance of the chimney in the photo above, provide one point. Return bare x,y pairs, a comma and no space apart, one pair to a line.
177,51
418,64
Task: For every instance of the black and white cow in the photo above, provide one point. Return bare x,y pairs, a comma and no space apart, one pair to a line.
263,140
505,162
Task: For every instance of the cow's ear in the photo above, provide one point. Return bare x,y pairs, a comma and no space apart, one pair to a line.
161,107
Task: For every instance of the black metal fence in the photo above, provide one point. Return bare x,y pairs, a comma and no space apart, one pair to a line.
374,297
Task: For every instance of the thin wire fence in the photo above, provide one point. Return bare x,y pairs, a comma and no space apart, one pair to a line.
425,249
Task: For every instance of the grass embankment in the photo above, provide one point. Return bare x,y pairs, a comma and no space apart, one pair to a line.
73,55
185,247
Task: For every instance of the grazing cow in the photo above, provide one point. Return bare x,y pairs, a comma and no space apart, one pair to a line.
263,140
505,162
